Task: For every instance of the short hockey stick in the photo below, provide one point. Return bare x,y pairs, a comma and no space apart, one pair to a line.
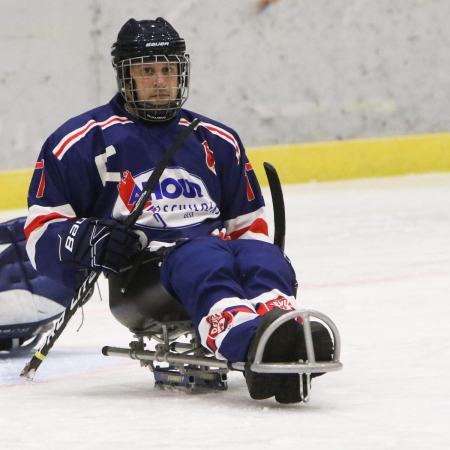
278,205
82,294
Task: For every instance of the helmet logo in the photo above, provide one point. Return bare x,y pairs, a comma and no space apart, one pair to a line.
157,44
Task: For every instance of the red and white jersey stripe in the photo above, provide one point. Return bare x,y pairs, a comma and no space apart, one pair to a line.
214,129
38,220
72,138
249,226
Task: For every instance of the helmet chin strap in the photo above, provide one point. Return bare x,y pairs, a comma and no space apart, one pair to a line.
152,113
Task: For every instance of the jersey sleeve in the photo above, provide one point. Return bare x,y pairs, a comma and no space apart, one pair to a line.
58,189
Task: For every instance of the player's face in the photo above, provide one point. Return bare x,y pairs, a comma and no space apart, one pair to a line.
156,82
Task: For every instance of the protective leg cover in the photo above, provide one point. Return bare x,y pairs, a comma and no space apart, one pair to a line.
226,286
28,300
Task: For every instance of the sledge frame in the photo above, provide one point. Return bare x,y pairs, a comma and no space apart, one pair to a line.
193,362
172,352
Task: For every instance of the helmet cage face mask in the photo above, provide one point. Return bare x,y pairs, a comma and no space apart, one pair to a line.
154,87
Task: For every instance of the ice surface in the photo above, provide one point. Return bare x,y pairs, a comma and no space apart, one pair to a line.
373,255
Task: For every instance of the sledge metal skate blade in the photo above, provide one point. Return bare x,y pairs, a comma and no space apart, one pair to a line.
174,388
187,390
309,366
172,381
191,382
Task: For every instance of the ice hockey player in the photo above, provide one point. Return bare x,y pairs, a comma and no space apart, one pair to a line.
29,302
207,208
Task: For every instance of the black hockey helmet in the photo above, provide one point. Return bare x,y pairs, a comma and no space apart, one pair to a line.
147,42
147,38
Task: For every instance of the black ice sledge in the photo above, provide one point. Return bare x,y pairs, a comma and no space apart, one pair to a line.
140,302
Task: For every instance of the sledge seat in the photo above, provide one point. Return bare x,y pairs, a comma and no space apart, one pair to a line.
139,301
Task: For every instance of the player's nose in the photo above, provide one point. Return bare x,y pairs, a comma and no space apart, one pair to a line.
160,80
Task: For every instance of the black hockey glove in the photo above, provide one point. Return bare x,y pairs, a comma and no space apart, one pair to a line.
103,245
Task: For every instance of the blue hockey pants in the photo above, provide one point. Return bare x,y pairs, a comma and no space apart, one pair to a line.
226,286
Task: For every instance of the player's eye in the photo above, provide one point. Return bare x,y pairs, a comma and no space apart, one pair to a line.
146,70
169,70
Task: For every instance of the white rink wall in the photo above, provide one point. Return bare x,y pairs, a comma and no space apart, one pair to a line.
295,71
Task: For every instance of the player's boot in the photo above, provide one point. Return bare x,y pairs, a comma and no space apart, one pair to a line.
286,344
323,351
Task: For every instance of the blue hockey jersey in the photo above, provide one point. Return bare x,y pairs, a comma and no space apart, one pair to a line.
96,164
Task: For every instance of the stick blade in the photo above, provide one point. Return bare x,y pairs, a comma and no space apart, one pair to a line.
278,205
28,372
